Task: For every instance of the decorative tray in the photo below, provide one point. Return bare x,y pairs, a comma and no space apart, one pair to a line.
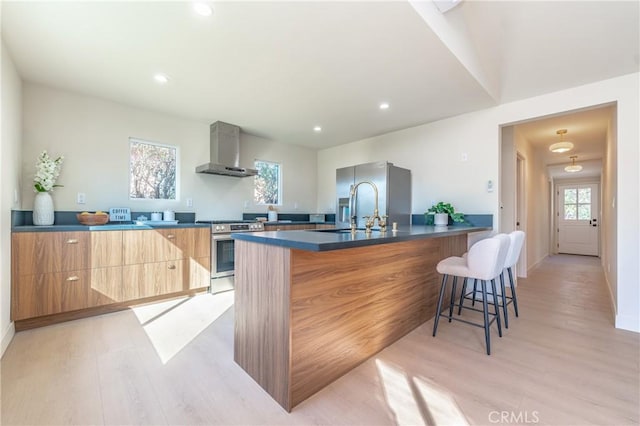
156,222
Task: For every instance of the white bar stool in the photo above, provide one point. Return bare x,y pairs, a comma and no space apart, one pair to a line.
515,247
484,262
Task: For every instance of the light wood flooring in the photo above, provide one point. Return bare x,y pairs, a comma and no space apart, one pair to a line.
561,362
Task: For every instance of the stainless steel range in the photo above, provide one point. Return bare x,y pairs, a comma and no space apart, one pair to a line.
222,250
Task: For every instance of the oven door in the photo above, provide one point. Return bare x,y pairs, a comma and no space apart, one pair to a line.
222,263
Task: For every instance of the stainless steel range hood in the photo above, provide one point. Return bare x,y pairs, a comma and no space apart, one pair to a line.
225,152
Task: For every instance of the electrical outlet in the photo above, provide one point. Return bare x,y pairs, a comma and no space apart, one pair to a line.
82,198
489,186
246,204
464,156
295,205
189,202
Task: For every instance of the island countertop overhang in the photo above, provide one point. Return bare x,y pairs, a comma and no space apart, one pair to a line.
314,240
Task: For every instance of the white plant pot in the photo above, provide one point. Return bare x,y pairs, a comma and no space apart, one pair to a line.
43,209
441,219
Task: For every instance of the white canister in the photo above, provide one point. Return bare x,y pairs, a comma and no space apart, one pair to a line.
156,216
169,215
273,216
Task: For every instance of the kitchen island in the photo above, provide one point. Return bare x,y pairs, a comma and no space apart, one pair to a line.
312,305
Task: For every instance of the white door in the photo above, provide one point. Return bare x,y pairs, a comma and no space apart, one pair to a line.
578,219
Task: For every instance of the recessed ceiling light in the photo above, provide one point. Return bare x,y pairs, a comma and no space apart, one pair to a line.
161,78
317,129
384,105
202,9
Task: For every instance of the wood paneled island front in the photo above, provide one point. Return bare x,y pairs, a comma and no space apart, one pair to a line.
312,305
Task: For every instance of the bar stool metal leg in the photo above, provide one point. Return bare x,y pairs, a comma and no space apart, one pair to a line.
513,291
439,307
475,288
504,300
462,295
453,297
495,305
487,336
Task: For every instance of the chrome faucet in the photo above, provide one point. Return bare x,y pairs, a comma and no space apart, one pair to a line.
370,220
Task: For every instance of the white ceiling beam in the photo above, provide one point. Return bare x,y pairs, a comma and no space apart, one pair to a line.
451,30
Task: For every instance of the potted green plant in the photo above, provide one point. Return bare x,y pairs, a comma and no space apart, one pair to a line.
442,211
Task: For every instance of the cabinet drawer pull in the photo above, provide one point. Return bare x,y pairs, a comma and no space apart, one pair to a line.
172,266
171,236
73,278
72,241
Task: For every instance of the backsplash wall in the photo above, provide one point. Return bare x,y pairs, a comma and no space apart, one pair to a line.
93,135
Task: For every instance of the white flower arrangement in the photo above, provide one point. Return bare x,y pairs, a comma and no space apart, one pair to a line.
47,171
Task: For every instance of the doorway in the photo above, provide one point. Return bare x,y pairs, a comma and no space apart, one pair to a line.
521,211
578,219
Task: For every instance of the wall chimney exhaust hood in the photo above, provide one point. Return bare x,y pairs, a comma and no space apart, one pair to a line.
225,152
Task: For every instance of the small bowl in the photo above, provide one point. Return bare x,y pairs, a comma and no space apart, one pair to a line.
93,219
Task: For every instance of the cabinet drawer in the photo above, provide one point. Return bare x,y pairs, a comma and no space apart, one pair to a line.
106,286
157,245
45,294
106,249
199,272
44,252
153,279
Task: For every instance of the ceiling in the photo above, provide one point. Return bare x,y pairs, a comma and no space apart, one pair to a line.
277,69
586,129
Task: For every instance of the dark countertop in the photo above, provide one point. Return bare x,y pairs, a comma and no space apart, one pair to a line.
107,227
297,222
322,240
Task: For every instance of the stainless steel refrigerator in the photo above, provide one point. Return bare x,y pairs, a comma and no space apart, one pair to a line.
394,193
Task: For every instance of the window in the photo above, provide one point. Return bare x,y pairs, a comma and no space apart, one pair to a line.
577,204
267,184
152,170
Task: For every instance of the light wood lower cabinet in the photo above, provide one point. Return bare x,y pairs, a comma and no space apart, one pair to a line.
52,293
58,272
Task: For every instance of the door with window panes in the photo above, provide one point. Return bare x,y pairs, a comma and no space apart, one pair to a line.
578,219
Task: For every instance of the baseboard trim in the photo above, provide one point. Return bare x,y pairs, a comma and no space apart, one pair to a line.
627,322
535,265
7,337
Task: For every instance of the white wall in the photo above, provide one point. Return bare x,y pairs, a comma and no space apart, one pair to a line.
11,98
537,196
433,153
93,135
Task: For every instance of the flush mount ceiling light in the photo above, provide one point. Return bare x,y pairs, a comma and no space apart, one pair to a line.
384,105
161,78
562,146
317,129
573,167
202,9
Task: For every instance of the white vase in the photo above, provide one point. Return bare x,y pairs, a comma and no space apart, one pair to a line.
43,209
441,219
